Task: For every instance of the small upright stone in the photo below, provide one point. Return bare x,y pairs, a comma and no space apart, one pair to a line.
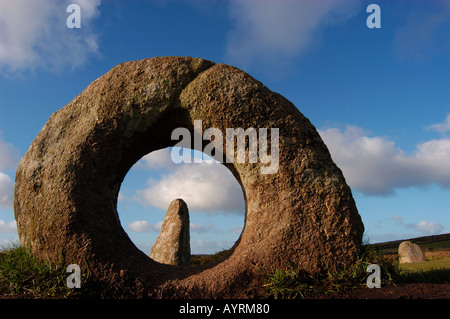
173,244
409,252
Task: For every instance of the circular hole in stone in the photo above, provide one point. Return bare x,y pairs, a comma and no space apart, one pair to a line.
214,198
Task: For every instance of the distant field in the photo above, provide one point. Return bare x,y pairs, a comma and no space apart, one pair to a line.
427,243
436,268
426,265
438,244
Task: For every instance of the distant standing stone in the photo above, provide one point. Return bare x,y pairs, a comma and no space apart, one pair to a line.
409,252
173,244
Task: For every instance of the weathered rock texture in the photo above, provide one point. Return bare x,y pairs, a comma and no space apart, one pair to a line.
68,182
409,252
173,245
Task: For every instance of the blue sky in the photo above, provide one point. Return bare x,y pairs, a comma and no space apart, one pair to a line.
379,97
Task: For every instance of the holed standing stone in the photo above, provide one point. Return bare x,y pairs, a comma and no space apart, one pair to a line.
68,182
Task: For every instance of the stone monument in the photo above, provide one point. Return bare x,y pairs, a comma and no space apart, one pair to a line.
173,244
408,252
67,183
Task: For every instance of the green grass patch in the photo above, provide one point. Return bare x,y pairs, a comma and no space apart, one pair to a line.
205,259
426,265
430,271
292,282
437,244
435,275
24,276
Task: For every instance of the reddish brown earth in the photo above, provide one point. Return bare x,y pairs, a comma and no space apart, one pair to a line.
401,291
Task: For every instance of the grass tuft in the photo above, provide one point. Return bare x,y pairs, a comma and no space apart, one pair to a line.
430,271
292,282
24,276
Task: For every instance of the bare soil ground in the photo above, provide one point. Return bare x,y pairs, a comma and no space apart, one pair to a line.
433,255
401,291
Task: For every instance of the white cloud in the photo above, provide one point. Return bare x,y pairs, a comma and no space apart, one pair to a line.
237,229
201,229
6,191
375,165
434,158
89,8
157,227
159,159
198,228
441,127
33,33
121,197
205,187
428,227
139,226
276,30
10,227
9,157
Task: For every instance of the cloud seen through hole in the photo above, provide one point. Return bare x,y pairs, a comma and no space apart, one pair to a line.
207,187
